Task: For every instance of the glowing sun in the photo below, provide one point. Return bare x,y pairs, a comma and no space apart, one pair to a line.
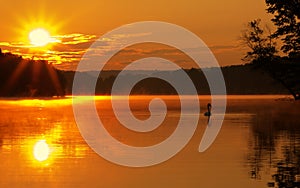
39,37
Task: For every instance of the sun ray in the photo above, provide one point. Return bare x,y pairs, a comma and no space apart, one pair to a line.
31,21
10,84
55,80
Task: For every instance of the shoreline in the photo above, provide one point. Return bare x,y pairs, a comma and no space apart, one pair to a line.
242,96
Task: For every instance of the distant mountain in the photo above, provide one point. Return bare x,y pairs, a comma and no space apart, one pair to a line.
239,79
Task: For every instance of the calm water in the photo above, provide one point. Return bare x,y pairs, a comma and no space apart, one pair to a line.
40,146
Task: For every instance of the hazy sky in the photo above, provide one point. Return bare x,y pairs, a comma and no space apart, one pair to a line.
76,24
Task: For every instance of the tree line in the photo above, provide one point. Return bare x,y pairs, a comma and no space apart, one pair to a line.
239,79
21,77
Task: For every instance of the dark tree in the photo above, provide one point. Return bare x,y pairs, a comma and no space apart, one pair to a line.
261,44
287,19
263,56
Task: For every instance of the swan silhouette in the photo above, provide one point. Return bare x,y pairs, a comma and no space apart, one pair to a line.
208,113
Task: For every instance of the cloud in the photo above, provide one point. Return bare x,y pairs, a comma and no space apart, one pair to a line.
68,49
75,38
63,51
225,48
4,44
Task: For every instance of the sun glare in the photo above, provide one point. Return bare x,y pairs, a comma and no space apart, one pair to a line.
41,150
39,37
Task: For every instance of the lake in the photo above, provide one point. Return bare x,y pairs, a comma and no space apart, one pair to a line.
258,145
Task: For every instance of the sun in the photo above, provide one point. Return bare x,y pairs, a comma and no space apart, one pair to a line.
39,37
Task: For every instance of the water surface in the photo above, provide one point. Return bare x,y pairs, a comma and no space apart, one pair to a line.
40,145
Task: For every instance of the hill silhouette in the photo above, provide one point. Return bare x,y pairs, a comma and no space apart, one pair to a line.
21,77
239,79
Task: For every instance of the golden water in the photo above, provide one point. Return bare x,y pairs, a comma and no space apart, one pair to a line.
40,145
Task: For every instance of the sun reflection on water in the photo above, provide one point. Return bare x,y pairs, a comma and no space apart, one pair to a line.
41,150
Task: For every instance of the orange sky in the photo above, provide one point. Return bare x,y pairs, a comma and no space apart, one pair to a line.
78,23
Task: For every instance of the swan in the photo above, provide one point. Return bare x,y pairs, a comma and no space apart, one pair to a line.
208,113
